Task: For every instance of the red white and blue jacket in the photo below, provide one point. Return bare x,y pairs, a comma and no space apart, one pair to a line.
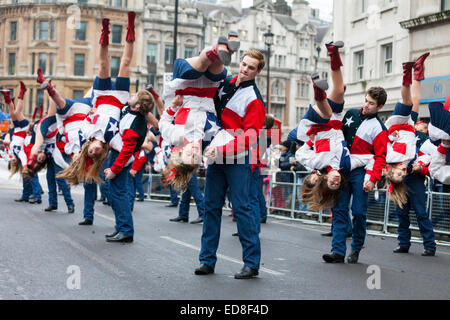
18,136
72,120
241,112
133,130
401,148
366,135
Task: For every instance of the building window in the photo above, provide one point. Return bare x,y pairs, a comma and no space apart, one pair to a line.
33,63
168,54
43,62
115,66
362,6
79,65
78,94
300,62
50,68
82,1
277,110
31,99
80,34
43,30
13,36
359,64
445,5
152,52
325,75
387,56
116,34
12,64
189,52
306,64
151,80
40,98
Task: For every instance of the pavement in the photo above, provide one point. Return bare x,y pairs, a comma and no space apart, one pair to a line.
47,255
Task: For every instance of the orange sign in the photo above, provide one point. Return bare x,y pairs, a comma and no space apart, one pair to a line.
4,126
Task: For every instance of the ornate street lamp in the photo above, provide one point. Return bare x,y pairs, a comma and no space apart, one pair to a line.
268,40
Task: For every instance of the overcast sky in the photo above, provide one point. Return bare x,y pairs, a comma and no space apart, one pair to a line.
325,6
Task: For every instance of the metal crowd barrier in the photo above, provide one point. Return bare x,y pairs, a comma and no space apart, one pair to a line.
283,197
282,191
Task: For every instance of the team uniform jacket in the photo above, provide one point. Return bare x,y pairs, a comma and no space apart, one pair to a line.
403,147
140,158
72,119
49,130
109,99
196,119
366,135
242,112
328,150
439,129
133,130
439,170
18,137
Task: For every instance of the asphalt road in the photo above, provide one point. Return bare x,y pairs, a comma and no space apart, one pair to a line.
43,255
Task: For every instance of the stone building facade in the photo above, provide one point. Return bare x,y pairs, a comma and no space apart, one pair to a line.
62,38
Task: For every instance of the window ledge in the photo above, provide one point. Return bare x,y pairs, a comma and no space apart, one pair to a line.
389,7
439,17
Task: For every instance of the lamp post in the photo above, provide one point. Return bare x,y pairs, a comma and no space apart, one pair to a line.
175,32
268,40
318,56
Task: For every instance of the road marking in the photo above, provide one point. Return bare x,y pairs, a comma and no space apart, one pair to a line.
296,226
104,216
92,255
224,257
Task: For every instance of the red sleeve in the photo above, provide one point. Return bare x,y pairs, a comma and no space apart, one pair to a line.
138,161
380,150
252,124
130,139
425,171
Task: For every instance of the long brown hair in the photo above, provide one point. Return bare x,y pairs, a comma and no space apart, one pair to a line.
84,168
321,196
15,167
306,189
398,192
177,174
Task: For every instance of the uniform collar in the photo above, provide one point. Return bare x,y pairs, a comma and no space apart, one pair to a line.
244,84
363,117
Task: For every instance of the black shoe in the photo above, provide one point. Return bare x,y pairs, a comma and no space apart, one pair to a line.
140,200
203,270
112,235
179,219
32,201
172,205
428,253
246,273
236,234
400,250
51,208
333,258
86,222
120,237
198,220
21,200
263,220
328,234
70,209
353,257
106,203
349,235
102,199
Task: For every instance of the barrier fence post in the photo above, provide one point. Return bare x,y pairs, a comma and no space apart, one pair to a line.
294,193
386,213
